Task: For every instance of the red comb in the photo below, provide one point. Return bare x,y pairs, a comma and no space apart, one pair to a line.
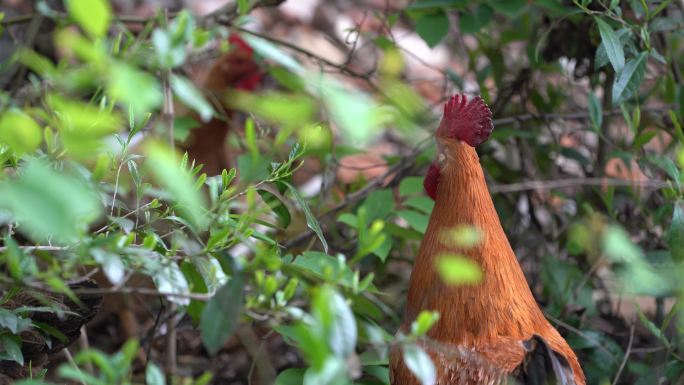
470,122
237,41
431,181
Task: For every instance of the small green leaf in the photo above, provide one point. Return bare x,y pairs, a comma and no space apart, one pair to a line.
432,27
420,364
311,220
416,220
277,206
410,185
473,22
221,314
19,131
675,235
291,376
92,15
458,270
191,96
154,375
11,349
629,79
423,323
595,112
614,50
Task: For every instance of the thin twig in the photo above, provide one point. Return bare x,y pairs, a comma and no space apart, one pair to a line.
627,353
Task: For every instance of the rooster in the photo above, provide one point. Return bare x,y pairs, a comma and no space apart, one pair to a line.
238,70
492,330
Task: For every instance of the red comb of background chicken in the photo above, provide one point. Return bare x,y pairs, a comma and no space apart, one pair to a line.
237,41
470,122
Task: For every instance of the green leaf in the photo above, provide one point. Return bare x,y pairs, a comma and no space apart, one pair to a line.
92,15
19,131
473,22
191,96
410,185
12,322
337,320
675,235
134,89
49,204
612,44
420,364
111,264
311,220
416,220
11,349
430,4
421,203
154,375
378,204
253,168
277,206
423,323
510,8
221,314
432,27
165,166
629,79
169,278
595,112
291,376
458,270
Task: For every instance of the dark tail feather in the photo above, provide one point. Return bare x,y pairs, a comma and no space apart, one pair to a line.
543,366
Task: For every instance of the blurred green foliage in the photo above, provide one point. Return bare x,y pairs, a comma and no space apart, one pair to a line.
74,180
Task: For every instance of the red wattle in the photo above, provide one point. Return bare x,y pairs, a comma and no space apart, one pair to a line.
431,181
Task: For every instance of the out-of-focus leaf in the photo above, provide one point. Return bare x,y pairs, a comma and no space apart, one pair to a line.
595,112
675,235
277,206
337,319
191,96
458,270
154,375
19,131
410,185
111,263
11,349
473,22
92,15
510,8
170,279
612,44
291,376
12,322
134,88
221,314
423,323
271,51
47,203
628,80
36,62
416,220
420,364
378,204
432,27
165,166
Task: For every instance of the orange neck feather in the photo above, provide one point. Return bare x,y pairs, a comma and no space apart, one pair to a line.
501,304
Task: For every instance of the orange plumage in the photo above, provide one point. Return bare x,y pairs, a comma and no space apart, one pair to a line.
236,69
485,330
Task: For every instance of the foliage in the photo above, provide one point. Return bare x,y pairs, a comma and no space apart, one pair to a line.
90,181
